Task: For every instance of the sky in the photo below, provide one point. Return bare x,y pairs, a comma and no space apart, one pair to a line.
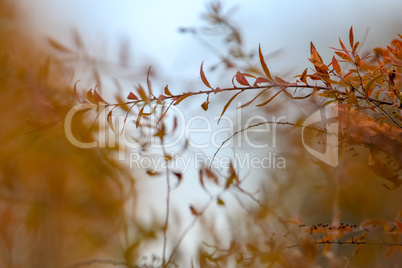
150,30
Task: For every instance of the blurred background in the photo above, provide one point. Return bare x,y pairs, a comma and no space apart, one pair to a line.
51,188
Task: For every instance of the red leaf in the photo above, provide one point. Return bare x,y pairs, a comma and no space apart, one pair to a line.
241,79
261,80
203,78
132,96
399,224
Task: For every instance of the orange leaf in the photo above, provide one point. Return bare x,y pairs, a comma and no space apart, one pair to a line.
314,53
336,66
399,224
268,101
249,102
137,123
167,92
90,97
141,91
263,64
205,105
303,77
343,56
98,98
203,78
351,37
181,98
343,47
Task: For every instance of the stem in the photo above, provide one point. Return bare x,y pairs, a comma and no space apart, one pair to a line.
166,225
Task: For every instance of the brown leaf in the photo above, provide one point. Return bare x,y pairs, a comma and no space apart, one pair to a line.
167,92
268,101
98,98
227,104
204,105
263,64
137,123
203,78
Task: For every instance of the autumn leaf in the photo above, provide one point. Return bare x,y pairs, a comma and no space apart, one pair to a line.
336,66
263,64
204,105
227,105
203,78
132,96
351,41
166,91
109,120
